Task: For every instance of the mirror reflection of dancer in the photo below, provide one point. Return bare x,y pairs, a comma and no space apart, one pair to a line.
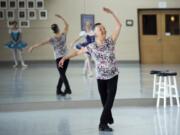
102,50
16,44
89,37
58,42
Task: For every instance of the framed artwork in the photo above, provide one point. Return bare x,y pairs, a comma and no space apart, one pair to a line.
86,18
22,14
32,14
24,24
10,14
42,14
3,4
40,4
21,4
31,4
129,22
2,16
12,4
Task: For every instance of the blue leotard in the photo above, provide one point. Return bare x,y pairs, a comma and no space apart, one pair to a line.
89,39
15,43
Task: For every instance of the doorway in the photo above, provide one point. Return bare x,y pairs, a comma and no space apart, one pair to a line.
159,36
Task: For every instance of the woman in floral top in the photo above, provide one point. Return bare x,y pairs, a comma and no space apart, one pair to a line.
102,51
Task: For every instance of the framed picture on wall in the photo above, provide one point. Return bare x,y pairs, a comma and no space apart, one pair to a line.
24,24
21,4
10,14
2,16
32,14
12,4
30,4
40,4
22,14
129,22
86,18
42,14
3,4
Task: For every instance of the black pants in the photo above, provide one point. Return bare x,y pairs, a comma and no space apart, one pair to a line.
107,90
62,77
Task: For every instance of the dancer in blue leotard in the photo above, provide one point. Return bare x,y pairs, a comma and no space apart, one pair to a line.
16,44
89,37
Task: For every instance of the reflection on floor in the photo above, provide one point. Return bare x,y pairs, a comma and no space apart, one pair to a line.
38,82
20,87
128,121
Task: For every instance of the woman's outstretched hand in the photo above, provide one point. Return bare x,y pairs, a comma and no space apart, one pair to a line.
61,62
59,16
30,49
107,10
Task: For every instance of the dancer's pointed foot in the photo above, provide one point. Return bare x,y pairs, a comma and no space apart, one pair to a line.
24,65
15,65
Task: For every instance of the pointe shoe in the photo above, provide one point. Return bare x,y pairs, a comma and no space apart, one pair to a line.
15,65
90,74
24,65
84,72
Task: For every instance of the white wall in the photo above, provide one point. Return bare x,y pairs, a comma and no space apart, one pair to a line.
127,45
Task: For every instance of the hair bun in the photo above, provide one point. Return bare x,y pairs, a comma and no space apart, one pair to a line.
55,28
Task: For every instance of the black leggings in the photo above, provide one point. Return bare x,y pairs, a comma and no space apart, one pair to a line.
62,77
107,90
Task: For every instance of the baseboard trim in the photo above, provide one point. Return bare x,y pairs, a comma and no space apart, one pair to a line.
36,106
72,61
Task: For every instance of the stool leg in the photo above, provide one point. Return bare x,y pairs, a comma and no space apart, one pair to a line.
170,90
154,85
177,122
160,122
176,91
165,122
165,91
159,92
